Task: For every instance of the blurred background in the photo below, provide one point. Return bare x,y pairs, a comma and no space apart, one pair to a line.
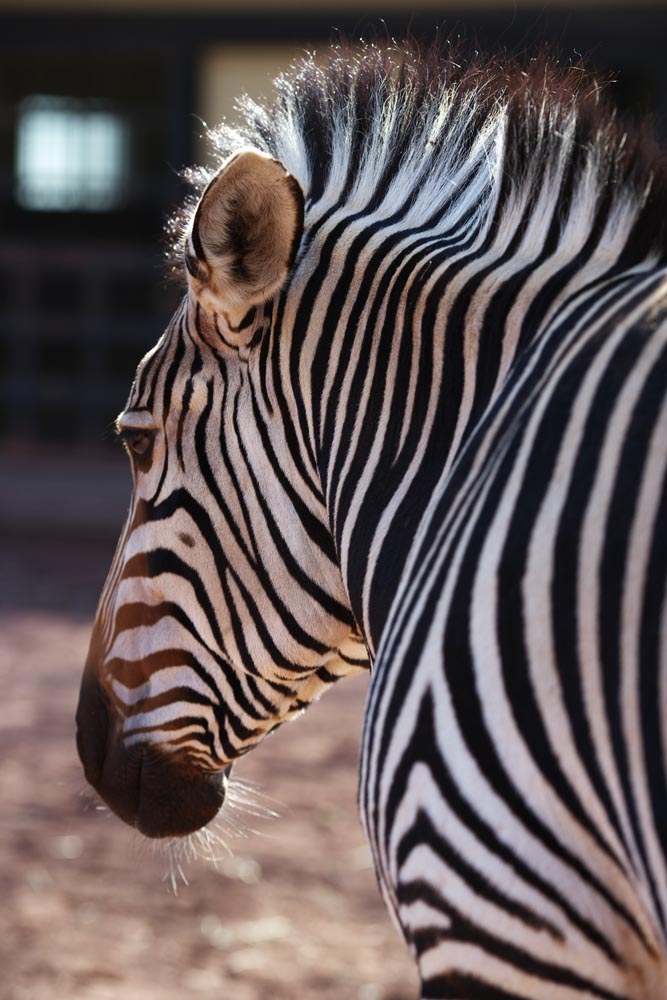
101,104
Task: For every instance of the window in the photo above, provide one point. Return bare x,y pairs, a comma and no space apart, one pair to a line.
71,155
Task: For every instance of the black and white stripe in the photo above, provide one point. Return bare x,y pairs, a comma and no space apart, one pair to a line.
441,448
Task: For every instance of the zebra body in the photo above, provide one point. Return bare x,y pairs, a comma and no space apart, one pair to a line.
522,706
412,414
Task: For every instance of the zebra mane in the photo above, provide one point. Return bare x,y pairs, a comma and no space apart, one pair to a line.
400,125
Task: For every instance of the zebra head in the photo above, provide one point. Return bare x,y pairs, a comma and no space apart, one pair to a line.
224,612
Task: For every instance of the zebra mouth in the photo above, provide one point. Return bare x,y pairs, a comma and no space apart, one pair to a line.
158,793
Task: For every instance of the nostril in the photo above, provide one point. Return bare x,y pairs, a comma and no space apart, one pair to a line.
92,732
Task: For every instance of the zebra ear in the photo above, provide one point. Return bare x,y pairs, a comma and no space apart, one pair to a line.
245,234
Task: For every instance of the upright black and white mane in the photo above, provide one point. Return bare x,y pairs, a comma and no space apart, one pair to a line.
387,129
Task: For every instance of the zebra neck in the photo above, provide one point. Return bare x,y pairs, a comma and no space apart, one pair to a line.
445,339
417,295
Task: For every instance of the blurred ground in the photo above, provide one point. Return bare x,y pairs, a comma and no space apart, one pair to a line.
87,912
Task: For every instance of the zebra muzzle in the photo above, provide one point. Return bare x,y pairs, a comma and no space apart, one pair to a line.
156,791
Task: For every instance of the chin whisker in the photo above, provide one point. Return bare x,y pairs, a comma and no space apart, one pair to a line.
245,804
246,798
211,845
91,802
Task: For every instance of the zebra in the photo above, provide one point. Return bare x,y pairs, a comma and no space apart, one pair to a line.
411,417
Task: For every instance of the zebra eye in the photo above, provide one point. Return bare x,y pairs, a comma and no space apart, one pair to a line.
137,442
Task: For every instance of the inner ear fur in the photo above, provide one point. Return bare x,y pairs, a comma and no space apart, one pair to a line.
245,233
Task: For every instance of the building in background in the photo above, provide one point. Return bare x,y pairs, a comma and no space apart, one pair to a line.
102,104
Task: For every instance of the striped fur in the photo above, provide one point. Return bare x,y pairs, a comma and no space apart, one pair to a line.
440,449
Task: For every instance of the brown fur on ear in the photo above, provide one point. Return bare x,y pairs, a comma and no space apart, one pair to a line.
245,233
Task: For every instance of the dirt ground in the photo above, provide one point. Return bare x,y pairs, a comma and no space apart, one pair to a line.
289,910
